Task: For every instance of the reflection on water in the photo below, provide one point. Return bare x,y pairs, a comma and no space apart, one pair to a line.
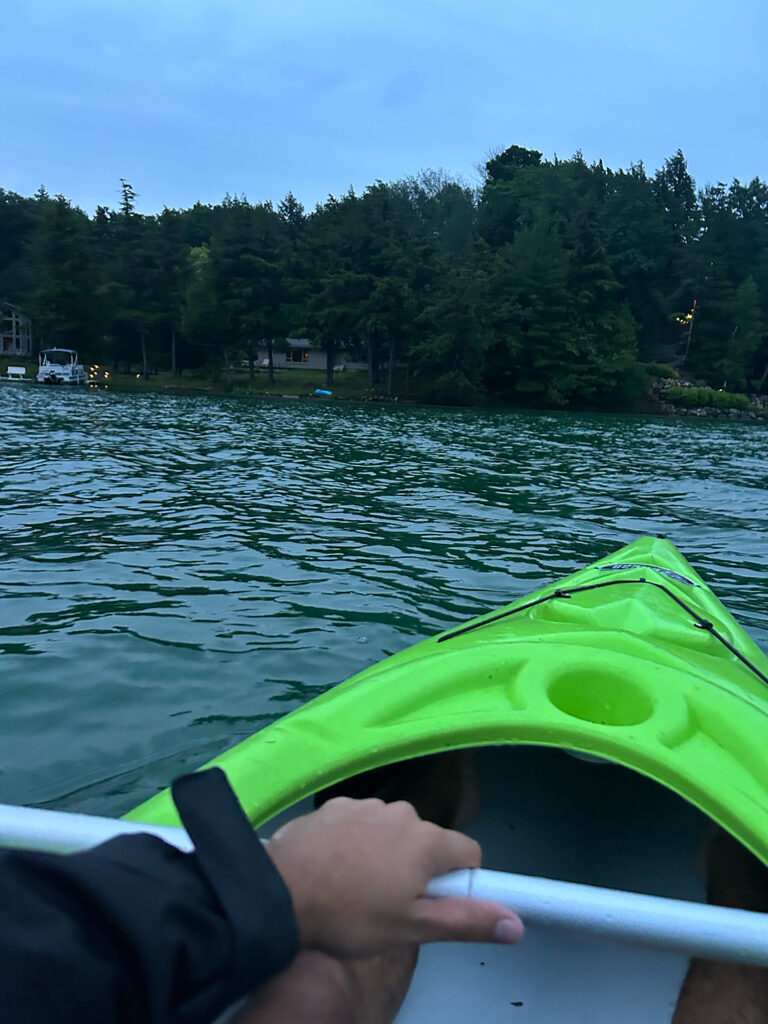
177,572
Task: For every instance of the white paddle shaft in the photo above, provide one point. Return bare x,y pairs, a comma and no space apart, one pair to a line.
29,828
678,926
693,929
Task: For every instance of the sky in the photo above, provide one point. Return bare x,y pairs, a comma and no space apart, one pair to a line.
192,99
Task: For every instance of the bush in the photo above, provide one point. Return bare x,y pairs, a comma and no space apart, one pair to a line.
661,370
454,388
729,400
627,390
530,387
701,397
689,397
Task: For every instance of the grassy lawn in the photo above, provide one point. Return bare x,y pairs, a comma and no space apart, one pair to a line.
301,383
294,383
29,364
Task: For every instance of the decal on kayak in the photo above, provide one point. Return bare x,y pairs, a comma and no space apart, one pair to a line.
656,568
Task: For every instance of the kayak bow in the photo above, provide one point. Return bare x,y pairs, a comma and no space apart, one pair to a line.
632,659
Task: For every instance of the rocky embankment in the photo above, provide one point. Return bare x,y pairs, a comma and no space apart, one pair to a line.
757,409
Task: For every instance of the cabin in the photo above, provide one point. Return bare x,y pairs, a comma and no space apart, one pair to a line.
15,331
301,354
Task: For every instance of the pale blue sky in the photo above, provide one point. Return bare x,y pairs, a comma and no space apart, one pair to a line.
189,99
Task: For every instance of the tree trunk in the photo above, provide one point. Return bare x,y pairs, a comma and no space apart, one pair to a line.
329,361
144,362
371,374
391,367
270,352
173,352
694,311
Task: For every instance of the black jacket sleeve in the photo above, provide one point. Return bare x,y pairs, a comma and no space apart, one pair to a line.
137,931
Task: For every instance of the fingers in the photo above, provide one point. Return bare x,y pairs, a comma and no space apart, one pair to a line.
443,849
339,810
357,870
344,808
464,920
450,851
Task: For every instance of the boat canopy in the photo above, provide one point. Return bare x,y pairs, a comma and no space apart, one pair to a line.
61,356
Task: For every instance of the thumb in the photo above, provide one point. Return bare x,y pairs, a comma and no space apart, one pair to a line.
453,919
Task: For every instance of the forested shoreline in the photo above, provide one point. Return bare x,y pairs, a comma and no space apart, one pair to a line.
554,284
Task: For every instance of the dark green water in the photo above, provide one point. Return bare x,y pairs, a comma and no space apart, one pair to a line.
177,572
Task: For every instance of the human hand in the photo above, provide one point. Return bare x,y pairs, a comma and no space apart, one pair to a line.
358,870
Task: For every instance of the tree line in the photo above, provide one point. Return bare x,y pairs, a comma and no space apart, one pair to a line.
555,282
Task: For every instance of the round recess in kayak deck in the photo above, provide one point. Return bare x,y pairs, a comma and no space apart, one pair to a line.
601,698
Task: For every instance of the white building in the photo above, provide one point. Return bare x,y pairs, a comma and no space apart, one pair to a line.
15,331
300,353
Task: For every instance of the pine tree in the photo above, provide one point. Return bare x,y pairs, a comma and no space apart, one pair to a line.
59,304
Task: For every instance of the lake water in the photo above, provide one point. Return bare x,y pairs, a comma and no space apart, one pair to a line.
179,571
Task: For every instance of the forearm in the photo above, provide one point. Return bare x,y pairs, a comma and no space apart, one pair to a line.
135,930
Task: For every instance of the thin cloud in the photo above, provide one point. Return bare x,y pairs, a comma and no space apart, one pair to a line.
191,99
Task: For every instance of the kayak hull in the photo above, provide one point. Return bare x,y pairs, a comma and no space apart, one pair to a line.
633,665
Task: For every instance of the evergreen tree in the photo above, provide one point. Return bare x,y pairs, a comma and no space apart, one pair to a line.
571,334
246,268
450,350
642,249
59,303
200,314
19,222
729,329
173,273
675,190
337,284
132,282
545,286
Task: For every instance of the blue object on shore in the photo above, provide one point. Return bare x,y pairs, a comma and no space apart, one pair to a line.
321,391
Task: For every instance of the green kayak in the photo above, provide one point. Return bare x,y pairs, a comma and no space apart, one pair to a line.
632,659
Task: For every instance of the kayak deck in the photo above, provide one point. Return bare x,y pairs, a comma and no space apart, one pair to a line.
547,813
633,659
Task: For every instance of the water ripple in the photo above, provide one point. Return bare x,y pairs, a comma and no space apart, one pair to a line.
177,572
